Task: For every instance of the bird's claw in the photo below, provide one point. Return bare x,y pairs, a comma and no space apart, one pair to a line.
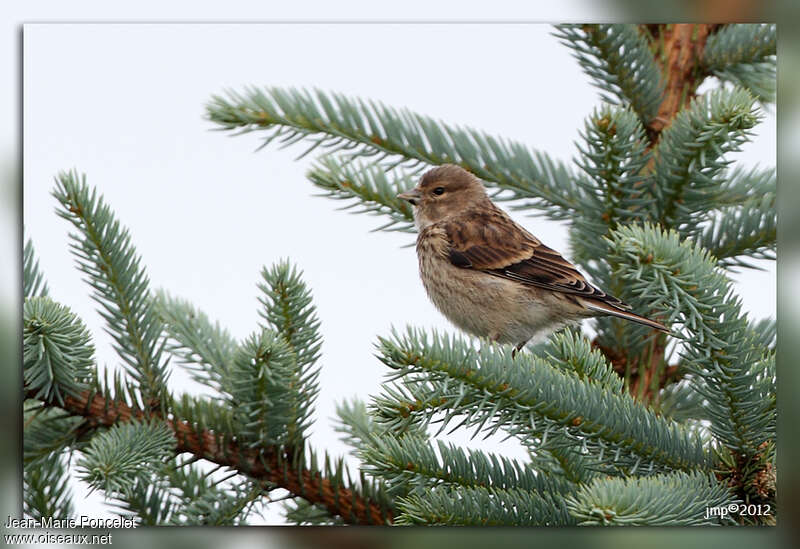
517,349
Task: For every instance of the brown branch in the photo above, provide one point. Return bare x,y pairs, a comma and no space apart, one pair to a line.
678,50
642,368
268,465
679,53
679,58
642,385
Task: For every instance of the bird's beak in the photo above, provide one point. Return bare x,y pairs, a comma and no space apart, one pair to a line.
411,196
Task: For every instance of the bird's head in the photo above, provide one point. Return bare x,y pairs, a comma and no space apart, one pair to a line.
442,192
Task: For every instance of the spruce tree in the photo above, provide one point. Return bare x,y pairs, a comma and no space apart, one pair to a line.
629,427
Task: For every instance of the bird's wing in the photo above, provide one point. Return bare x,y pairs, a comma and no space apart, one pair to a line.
492,242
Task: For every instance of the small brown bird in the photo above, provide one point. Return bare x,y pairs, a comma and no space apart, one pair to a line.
488,275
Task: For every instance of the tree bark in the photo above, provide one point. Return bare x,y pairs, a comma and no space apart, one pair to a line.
680,61
678,51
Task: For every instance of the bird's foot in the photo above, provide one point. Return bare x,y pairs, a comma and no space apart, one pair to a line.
517,349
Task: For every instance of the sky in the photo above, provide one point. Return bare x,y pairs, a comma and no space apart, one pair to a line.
124,104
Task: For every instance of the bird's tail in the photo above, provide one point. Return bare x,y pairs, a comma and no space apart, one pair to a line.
605,308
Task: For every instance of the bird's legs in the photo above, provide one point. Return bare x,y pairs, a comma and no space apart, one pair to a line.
518,348
494,336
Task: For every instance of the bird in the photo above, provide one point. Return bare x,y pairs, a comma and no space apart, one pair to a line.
488,275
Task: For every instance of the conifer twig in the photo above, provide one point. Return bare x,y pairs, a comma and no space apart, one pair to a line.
268,465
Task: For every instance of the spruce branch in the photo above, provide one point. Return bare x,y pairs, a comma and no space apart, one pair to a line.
261,392
528,398
734,44
356,426
385,455
759,79
48,433
737,234
563,457
691,154
371,129
618,190
677,52
741,186
300,512
270,465
573,353
482,507
613,155
58,356
414,464
206,349
364,435
115,459
46,491
367,186
204,414
33,282
203,502
148,500
268,362
105,254
359,429
673,499
754,480
764,333
289,311
683,278
745,55
618,60
682,402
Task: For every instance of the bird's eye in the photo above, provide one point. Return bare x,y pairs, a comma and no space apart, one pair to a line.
438,190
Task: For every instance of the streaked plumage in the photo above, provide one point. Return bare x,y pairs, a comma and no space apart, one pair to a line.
488,275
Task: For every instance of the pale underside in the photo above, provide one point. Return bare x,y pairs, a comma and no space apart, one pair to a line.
493,307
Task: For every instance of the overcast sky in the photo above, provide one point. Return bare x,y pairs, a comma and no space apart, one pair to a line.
125,105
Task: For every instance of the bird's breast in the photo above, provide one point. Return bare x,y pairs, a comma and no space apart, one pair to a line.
474,301
486,305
